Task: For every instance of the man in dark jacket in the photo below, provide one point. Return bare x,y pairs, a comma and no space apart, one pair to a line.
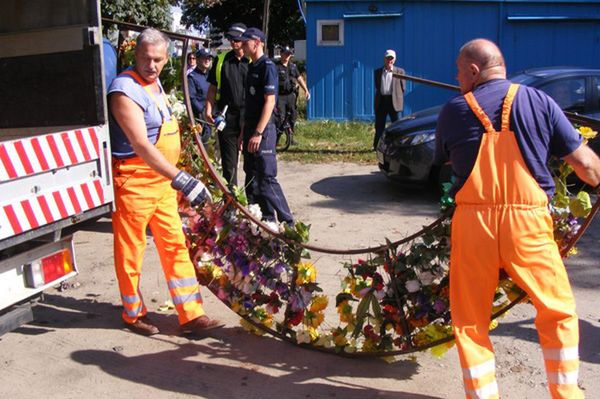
289,80
227,79
198,87
389,94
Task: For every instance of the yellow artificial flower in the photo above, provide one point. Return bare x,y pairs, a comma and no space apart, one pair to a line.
587,132
313,319
440,350
340,340
235,306
307,273
369,345
319,303
345,311
250,328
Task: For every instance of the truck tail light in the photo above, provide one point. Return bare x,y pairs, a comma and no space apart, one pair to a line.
50,268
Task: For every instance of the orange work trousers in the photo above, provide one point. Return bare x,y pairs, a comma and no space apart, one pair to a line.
502,221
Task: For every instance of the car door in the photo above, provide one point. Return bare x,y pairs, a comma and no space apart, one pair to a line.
595,97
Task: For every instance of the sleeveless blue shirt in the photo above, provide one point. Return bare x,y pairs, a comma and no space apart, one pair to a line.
153,116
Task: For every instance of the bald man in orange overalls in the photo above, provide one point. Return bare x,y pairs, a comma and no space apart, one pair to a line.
499,138
145,144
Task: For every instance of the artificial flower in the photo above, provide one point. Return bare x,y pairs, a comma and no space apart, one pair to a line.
412,286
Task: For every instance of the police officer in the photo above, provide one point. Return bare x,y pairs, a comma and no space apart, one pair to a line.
227,79
198,86
289,80
260,135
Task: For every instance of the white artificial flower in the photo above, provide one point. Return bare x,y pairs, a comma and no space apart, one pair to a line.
255,211
303,337
273,226
325,341
177,106
426,278
254,229
412,286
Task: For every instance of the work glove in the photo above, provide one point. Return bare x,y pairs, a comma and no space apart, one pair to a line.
193,189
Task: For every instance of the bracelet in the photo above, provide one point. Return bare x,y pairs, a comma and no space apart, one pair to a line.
257,133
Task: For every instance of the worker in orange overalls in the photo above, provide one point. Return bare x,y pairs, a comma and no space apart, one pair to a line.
145,145
498,138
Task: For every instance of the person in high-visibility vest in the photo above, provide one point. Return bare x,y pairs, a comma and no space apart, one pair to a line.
498,137
227,79
146,145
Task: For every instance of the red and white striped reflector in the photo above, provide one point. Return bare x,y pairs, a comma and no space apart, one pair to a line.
30,213
38,154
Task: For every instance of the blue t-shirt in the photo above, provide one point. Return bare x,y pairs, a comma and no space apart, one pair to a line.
153,116
541,129
261,80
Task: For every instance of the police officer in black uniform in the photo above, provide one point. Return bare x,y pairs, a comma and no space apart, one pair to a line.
260,134
289,80
227,79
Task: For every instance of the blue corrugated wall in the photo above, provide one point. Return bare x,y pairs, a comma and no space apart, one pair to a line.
427,35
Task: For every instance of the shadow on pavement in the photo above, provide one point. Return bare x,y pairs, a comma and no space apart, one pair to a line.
348,193
269,369
589,345
227,363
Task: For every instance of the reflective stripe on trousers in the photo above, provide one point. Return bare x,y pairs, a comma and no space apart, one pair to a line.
502,221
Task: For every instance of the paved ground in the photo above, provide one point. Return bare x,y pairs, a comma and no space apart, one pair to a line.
77,347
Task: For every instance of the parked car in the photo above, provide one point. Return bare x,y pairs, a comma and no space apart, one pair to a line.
405,150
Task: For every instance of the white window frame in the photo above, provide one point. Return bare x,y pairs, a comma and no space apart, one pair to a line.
320,23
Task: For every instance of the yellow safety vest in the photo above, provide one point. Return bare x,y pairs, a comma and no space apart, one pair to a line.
220,59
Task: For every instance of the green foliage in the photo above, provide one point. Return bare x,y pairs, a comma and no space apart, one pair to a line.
285,22
154,13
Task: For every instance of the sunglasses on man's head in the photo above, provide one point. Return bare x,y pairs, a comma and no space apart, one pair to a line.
389,58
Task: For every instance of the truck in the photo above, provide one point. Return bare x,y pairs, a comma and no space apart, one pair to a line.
55,165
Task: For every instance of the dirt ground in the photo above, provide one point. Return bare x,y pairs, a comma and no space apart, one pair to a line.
78,348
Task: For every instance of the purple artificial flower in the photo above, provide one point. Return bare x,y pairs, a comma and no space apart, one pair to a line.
439,306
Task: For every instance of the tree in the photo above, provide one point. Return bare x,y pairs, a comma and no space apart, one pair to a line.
154,13
285,22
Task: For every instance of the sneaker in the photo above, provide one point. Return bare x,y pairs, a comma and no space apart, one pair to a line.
143,326
200,325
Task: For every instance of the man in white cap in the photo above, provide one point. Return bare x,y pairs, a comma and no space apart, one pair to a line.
389,94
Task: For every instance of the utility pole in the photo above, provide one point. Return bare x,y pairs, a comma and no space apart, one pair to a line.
265,27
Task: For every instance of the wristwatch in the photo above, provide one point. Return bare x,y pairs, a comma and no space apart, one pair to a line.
257,133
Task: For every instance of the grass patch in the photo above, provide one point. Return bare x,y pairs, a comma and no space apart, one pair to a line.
327,141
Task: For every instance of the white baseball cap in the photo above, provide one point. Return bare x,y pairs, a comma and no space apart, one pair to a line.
390,53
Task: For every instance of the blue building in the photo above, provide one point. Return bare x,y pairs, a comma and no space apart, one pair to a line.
346,40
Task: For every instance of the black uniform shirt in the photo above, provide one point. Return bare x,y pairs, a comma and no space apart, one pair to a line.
233,77
288,77
262,79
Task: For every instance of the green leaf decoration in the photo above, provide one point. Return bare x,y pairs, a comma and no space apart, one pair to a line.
361,313
581,205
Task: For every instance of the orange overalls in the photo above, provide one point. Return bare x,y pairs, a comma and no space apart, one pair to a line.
502,221
144,198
